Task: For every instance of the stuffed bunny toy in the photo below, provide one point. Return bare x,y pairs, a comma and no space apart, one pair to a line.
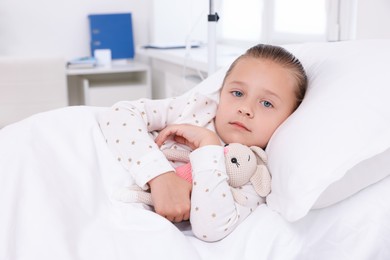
243,164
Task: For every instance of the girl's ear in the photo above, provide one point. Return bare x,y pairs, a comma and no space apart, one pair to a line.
260,153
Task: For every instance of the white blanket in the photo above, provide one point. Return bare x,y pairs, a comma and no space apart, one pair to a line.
56,177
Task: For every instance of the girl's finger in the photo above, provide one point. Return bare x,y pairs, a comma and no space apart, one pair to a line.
186,216
182,140
162,136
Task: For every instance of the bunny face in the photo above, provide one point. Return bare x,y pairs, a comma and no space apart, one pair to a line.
241,164
247,164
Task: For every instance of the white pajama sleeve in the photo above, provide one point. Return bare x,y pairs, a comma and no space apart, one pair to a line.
128,126
214,212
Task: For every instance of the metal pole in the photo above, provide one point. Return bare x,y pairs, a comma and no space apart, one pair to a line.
212,38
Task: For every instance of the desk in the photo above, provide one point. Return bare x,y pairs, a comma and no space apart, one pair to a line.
176,70
104,86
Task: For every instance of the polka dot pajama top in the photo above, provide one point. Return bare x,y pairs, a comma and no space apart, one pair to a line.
130,128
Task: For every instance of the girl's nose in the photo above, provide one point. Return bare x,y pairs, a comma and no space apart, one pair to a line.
245,111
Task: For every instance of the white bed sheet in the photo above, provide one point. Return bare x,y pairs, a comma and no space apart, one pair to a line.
56,177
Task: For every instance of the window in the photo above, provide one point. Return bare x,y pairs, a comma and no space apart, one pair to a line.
273,21
310,20
299,20
241,20
247,22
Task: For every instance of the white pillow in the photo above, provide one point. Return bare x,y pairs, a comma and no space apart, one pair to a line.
338,140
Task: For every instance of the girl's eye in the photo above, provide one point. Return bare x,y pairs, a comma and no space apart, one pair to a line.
266,103
237,93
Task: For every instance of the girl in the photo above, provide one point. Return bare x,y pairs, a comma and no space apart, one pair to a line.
260,90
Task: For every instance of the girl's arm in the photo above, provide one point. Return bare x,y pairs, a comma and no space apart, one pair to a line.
214,212
129,128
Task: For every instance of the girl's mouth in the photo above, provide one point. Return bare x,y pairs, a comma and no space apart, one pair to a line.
239,125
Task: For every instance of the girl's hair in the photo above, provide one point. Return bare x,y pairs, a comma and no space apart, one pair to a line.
282,57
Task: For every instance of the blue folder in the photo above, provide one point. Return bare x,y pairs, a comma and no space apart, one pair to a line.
114,32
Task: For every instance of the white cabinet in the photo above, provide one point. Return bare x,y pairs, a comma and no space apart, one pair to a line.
104,86
175,71
30,85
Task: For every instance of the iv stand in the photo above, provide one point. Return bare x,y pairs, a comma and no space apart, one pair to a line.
212,41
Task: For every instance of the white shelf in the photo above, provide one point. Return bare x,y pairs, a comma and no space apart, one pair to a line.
194,58
104,86
115,68
175,71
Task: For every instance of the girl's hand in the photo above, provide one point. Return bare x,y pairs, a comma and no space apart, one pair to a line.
171,196
190,135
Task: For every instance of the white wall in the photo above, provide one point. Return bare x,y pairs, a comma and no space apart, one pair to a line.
373,19
60,27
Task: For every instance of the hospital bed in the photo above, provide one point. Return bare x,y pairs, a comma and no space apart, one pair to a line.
329,163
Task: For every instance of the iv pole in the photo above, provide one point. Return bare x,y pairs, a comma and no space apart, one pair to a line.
212,41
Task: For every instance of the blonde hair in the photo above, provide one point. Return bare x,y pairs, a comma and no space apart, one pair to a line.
282,57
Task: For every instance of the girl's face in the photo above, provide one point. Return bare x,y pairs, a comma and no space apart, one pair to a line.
256,98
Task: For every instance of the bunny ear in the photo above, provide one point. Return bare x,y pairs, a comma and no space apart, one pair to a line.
261,181
260,153
225,150
177,155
